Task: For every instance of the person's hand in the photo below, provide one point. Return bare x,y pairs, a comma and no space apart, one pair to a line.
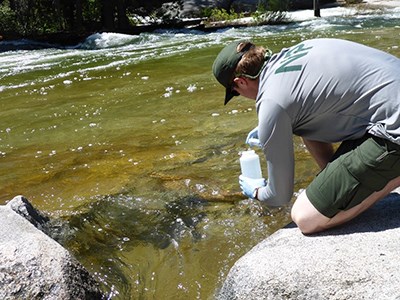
252,138
249,185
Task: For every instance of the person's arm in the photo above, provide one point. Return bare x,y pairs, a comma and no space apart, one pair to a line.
275,133
320,151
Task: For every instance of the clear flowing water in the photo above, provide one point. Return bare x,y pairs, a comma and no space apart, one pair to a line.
125,142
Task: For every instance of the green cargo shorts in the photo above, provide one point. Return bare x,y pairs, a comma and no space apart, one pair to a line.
359,168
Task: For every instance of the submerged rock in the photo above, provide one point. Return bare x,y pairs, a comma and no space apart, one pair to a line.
34,266
359,260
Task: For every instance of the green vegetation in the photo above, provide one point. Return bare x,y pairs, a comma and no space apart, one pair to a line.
271,12
268,12
37,17
221,14
32,18
7,18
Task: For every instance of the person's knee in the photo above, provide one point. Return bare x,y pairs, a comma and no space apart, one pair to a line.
307,218
303,222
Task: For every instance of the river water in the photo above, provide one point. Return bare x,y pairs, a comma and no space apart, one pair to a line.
124,141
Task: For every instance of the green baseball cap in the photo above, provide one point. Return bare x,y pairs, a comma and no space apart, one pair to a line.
225,64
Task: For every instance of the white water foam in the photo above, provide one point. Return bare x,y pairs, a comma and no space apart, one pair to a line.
94,54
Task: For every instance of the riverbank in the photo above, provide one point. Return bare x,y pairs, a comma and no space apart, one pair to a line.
65,39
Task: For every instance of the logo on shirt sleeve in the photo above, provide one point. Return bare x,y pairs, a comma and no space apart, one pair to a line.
288,63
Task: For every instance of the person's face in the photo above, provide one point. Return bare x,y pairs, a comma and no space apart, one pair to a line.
246,87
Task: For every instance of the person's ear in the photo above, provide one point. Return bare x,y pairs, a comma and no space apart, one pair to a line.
239,81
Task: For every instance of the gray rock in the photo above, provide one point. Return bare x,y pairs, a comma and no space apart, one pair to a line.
25,209
34,266
359,260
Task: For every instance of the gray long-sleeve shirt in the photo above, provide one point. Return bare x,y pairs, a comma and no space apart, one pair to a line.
324,90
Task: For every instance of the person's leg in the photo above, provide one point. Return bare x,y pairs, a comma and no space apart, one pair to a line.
358,176
310,220
321,152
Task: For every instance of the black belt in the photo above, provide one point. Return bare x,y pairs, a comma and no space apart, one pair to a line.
385,142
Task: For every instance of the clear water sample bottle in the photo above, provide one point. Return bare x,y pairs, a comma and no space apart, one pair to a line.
250,164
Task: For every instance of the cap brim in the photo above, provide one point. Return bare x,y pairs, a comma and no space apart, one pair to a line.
229,94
